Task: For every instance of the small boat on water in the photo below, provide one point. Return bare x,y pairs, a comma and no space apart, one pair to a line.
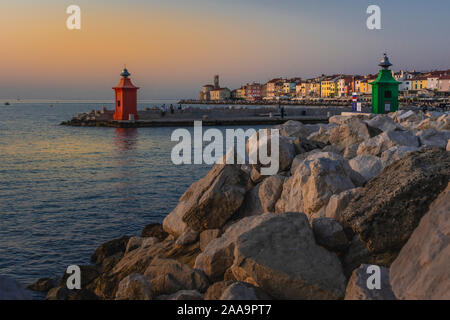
7,103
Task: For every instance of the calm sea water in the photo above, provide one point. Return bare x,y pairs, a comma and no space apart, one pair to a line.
65,190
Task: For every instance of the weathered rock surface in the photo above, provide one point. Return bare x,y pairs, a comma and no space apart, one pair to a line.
291,265
329,234
189,236
387,210
358,288
422,269
303,145
168,276
301,157
59,293
409,116
434,138
383,122
286,149
395,153
154,230
134,287
315,180
351,131
88,274
239,291
338,203
366,165
207,236
295,129
137,261
388,139
109,249
43,285
263,197
133,243
209,202
219,254
12,290
216,290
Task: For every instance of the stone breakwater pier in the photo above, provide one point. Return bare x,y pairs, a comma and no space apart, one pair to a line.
210,116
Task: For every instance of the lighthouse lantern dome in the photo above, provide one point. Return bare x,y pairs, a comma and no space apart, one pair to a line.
125,73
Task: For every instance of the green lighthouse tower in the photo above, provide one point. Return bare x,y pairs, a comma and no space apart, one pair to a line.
385,89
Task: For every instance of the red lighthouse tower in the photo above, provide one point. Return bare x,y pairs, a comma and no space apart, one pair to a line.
126,98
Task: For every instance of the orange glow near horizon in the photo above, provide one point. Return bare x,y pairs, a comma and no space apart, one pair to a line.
172,47
157,46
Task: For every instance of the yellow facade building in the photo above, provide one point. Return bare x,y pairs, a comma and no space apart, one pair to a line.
419,83
329,87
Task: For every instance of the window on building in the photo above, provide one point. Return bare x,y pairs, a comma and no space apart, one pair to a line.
118,103
388,94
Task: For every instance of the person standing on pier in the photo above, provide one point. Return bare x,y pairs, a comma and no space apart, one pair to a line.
172,109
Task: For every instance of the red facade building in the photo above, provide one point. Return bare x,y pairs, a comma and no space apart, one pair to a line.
253,92
125,98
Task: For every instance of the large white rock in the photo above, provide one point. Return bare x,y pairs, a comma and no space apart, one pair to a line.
218,256
134,287
295,129
366,165
349,132
12,290
410,116
314,181
209,202
388,139
422,269
291,265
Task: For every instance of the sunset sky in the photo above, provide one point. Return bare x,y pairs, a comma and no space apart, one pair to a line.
172,47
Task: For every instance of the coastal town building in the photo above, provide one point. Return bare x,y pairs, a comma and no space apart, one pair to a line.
419,83
433,83
329,87
254,91
238,94
220,94
444,84
290,87
346,86
125,98
299,89
205,94
214,92
274,88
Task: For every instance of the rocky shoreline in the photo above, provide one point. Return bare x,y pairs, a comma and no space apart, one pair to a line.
355,194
